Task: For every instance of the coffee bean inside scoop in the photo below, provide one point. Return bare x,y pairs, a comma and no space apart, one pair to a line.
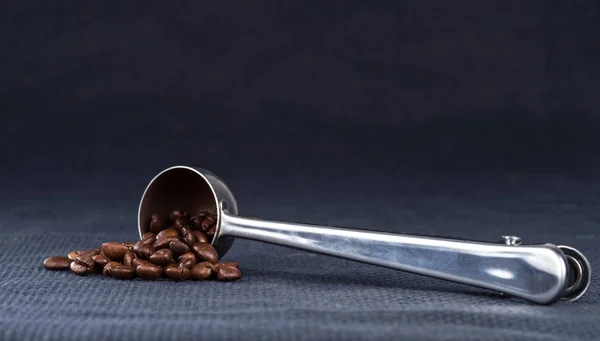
177,247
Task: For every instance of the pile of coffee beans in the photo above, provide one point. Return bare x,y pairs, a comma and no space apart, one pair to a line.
176,247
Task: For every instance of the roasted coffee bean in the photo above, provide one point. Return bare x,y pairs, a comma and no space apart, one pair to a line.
73,254
208,265
164,242
188,236
200,237
185,230
149,272
57,263
196,220
170,232
108,267
181,221
166,267
177,272
178,247
228,273
123,272
187,256
188,264
174,215
176,228
190,239
138,262
100,261
86,259
234,264
93,252
79,269
128,258
143,250
157,223
200,272
208,222
205,252
149,238
128,245
114,251
161,257
76,253
187,259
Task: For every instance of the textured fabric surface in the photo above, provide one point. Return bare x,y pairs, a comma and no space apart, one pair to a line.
289,294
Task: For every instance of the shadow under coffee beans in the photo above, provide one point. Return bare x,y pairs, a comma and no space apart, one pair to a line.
178,248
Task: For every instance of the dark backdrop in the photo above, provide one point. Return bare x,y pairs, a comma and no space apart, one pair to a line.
464,118
303,88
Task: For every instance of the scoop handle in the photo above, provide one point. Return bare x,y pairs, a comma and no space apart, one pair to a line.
538,273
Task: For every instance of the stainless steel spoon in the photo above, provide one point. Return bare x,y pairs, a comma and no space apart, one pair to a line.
540,273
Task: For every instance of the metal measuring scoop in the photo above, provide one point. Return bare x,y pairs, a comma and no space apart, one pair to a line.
540,273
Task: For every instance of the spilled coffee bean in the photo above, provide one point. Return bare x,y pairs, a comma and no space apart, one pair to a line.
162,257
170,232
228,273
73,254
78,268
128,258
86,260
177,272
108,268
149,272
205,252
57,263
178,247
101,259
234,264
114,250
188,236
188,260
122,272
208,265
163,242
143,250
139,262
201,272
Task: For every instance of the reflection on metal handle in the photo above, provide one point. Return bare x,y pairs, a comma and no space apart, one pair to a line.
537,273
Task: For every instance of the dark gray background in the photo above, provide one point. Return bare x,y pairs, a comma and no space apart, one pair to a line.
456,118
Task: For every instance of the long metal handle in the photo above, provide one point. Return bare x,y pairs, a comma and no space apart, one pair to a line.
536,272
